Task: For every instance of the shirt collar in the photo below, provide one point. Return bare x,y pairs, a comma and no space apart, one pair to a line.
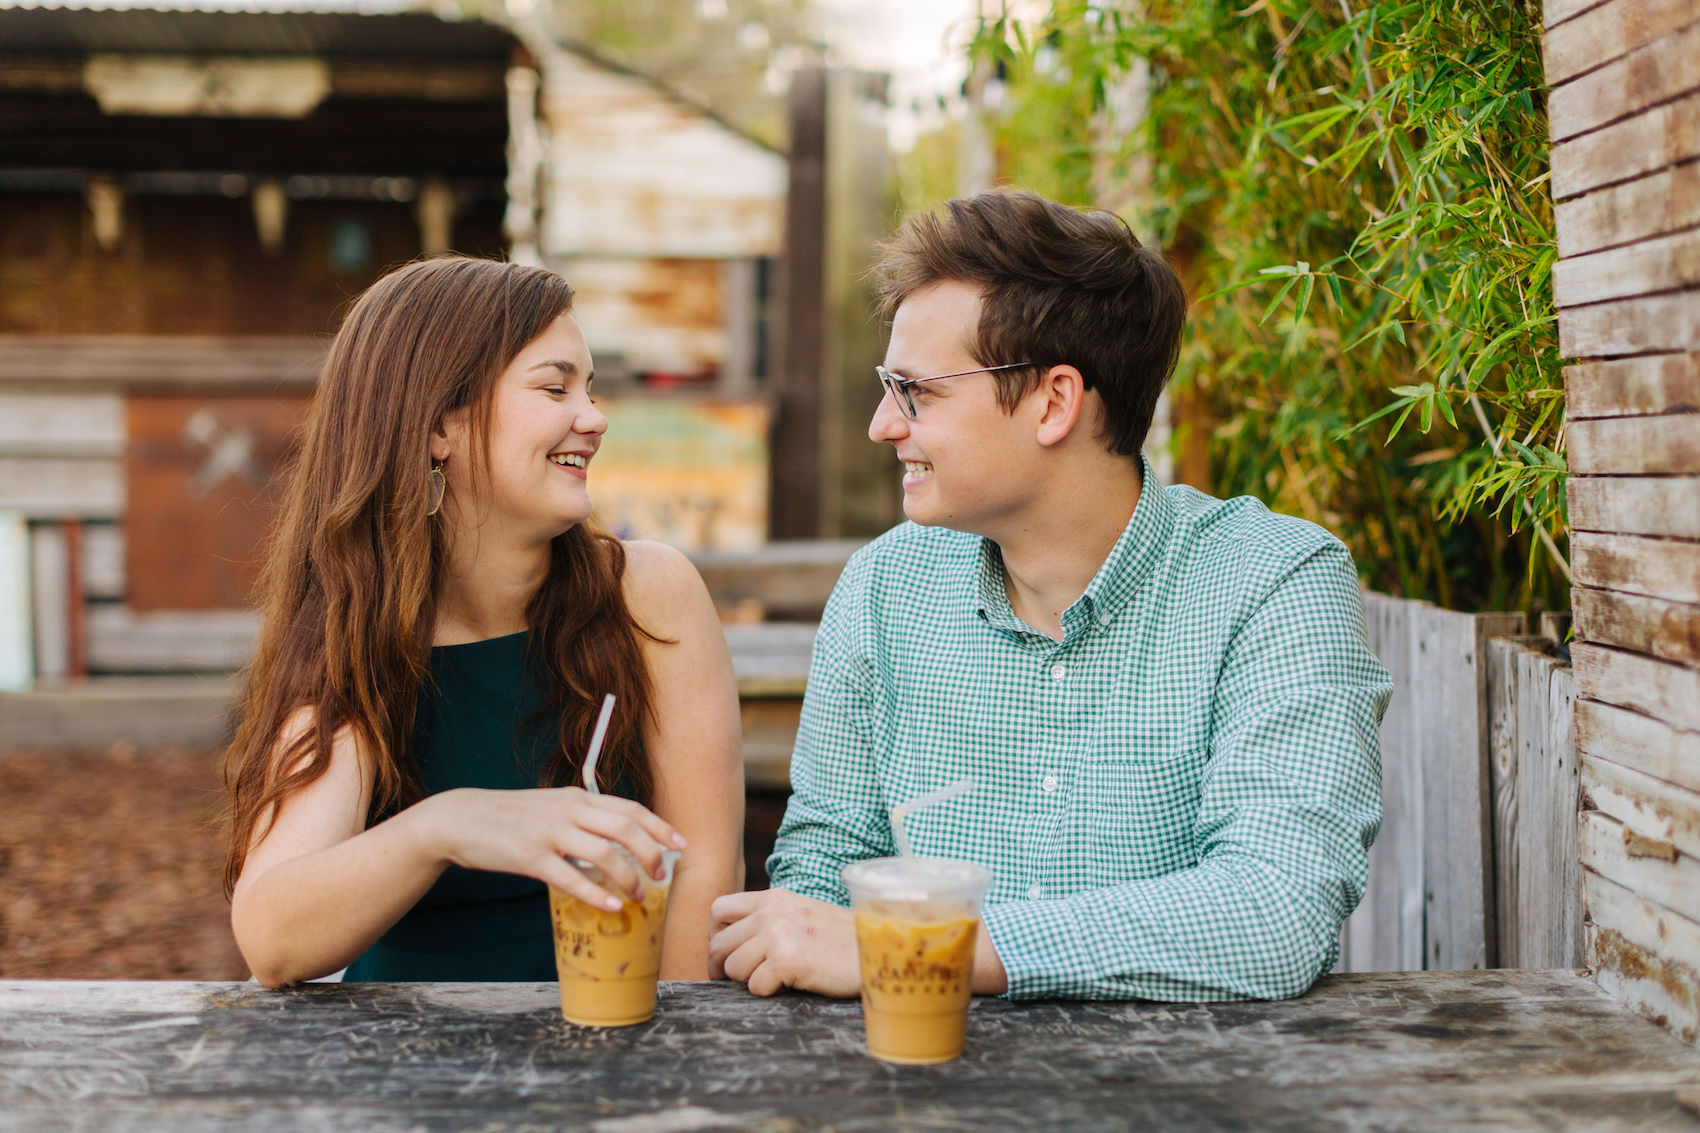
1130,562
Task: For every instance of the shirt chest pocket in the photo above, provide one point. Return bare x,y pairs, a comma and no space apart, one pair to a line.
1134,814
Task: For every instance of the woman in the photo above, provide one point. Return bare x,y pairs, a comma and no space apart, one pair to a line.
441,625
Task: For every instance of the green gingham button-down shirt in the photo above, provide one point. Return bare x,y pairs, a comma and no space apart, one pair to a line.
1176,799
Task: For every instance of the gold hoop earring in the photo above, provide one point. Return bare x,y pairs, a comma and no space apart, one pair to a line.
439,485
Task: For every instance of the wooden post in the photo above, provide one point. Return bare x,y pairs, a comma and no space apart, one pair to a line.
828,480
861,485
76,664
739,283
15,653
793,437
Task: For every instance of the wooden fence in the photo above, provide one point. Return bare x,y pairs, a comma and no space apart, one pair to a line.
1476,863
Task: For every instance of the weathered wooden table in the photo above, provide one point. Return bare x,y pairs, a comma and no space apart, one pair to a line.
1421,1051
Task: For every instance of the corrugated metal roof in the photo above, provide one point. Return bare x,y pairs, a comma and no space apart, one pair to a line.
358,7
368,29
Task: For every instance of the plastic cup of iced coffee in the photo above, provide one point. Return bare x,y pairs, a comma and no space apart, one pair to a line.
608,962
916,921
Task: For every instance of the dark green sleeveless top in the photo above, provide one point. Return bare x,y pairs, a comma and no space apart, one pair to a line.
474,729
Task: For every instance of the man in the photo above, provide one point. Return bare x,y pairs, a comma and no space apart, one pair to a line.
1165,701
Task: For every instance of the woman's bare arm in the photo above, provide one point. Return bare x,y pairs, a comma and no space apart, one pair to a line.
694,744
317,888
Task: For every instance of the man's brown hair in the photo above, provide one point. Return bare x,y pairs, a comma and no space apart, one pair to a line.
1059,286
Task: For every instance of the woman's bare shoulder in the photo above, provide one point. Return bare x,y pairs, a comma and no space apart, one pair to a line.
662,584
657,570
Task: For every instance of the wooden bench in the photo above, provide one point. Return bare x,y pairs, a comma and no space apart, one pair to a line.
780,581
771,661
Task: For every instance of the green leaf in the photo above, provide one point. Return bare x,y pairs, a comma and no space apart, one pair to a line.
1399,144
1446,411
1279,295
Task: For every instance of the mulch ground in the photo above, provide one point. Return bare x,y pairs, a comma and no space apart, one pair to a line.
110,865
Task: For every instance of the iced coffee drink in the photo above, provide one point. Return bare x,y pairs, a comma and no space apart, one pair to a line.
608,962
916,922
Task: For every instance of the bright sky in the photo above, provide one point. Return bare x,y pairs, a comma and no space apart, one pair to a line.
920,42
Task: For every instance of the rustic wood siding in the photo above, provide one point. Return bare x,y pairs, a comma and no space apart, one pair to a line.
1625,126
656,317
194,266
634,171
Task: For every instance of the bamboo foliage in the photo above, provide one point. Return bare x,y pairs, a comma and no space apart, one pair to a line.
1357,195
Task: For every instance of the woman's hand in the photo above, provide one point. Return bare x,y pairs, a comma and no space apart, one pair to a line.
691,736
319,886
539,833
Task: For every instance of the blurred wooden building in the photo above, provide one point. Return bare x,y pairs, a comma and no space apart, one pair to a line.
188,200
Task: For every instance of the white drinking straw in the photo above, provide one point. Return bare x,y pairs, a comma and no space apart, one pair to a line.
960,787
596,745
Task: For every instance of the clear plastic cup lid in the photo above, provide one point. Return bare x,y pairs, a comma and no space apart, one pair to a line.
915,878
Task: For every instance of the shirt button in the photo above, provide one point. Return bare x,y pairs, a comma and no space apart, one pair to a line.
1105,619
1048,783
1035,892
1059,671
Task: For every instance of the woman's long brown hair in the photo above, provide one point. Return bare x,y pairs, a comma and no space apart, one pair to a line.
349,585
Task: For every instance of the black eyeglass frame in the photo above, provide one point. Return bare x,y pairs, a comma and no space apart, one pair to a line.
899,388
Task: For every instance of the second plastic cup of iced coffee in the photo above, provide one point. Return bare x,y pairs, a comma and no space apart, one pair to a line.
608,962
916,921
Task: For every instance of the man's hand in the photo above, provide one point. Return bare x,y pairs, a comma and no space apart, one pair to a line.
774,938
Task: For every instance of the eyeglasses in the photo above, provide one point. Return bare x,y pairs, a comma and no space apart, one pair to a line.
901,389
